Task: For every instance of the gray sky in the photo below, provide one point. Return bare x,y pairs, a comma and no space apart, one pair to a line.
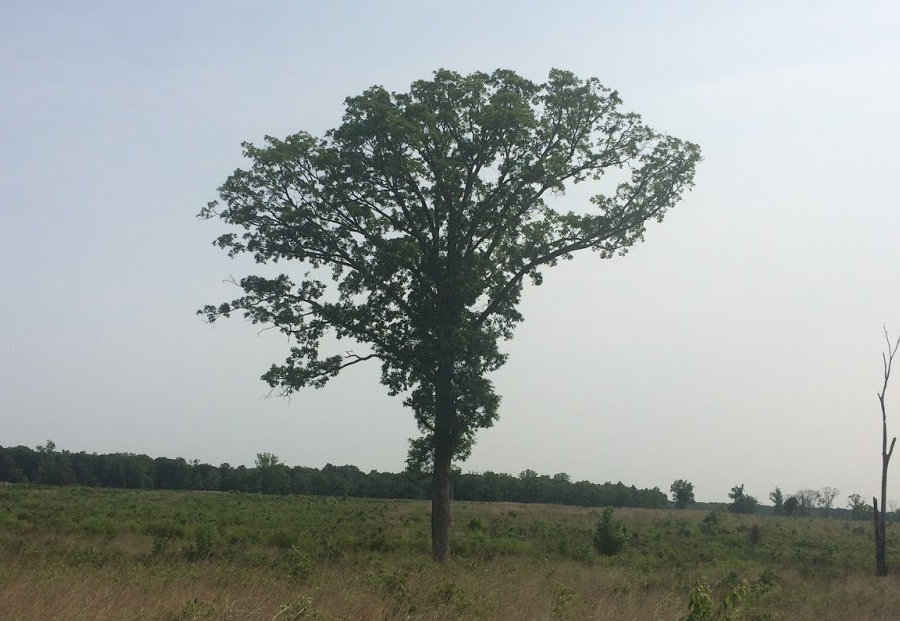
740,344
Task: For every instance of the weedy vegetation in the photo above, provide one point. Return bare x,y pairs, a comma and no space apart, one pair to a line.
101,554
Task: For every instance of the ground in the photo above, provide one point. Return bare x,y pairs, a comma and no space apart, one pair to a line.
96,554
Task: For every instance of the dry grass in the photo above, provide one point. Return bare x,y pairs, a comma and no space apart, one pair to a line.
86,555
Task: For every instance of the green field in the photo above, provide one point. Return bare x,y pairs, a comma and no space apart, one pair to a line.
99,554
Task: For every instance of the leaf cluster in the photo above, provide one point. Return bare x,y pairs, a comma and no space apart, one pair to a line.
414,224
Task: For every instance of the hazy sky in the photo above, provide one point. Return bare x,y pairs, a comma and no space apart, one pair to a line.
740,343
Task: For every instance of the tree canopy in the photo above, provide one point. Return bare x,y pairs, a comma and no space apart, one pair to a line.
682,493
427,211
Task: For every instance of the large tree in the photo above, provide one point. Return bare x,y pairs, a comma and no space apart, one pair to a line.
428,211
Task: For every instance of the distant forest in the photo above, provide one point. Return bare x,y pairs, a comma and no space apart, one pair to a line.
48,466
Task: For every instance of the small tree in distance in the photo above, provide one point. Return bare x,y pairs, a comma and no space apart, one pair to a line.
791,506
274,477
777,499
859,510
808,499
826,499
741,502
682,493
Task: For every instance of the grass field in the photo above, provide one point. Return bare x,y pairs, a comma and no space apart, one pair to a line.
97,554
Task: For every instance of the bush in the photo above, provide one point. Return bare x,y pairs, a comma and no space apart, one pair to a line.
164,530
283,539
710,524
703,607
609,535
301,565
204,544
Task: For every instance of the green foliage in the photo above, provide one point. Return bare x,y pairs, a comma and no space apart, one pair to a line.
859,509
682,493
204,544
768,578
741,502
791,506
390,581
81,557
799,563
703,607
301,565
710,523
427,210
563,603
777,499
164,530
269,475
609,534
283,539
99,527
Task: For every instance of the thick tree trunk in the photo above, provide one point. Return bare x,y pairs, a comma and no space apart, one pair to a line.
440,510
443,459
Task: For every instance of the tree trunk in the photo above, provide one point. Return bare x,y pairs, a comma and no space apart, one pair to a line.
881,516
880,557
440,509
443,459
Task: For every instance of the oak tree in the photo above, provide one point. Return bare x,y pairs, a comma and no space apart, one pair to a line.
413,226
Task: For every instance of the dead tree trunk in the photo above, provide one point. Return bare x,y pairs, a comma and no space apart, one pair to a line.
881,516
880,558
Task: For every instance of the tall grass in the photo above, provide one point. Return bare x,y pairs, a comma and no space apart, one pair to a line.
94,554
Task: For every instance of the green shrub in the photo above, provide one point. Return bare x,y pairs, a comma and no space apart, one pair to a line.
564,600
159,546
204,543
609,535
283,539
301,564
702,607
164,530
768,578
86,557
390,581
710,524
99,528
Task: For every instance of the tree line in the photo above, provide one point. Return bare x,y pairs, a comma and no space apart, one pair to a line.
803,503
49,466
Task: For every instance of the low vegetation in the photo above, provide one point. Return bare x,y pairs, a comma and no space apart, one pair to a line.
103,554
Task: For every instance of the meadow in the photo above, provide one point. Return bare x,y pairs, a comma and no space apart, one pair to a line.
102,554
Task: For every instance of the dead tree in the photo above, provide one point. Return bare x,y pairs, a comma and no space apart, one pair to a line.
881,516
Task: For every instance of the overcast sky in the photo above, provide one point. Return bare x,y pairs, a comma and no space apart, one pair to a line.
741,343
